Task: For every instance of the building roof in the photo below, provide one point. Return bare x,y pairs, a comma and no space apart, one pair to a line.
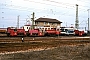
47,20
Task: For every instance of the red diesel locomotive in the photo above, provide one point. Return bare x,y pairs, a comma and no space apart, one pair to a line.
42,31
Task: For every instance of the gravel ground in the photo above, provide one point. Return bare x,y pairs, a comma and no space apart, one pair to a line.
65,52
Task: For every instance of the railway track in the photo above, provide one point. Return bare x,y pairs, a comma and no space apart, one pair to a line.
43,39
9,44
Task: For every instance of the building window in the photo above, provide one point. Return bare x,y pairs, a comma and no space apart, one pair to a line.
44,23
48,23
52,23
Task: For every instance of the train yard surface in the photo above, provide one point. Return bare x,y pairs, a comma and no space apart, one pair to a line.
10,44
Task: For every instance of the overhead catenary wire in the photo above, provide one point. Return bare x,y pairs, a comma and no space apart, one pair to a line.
40,3
43,3
51,4
33,7
85,1
54,12
27,10
84,10
67,4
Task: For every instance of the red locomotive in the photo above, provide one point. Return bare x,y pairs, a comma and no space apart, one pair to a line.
11,31
80,32
33,32
51,32
21,32
41,31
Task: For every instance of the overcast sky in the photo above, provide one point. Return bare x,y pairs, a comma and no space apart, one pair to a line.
62,10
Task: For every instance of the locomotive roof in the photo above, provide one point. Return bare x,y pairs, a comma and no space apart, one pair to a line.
48,20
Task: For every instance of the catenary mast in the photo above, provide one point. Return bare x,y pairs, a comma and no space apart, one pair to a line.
77,21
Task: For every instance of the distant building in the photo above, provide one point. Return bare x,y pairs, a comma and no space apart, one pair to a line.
48,22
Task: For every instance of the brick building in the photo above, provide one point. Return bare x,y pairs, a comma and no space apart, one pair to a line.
47,22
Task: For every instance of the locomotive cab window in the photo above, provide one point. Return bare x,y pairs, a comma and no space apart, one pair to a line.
71,31
15,30
62,30
66,30
27,27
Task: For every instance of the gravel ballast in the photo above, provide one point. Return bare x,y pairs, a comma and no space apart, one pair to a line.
64,52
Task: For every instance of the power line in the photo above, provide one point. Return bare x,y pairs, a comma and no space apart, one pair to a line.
13,19
16,9
47,4
67,4
84,1
26,10
19,8
50,4
33,8
54,14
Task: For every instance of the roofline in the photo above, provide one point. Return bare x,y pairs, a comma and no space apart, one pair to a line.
48,21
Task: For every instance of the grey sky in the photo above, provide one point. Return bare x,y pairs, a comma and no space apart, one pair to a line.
63,10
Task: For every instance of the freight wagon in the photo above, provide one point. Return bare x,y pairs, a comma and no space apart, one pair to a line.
3,30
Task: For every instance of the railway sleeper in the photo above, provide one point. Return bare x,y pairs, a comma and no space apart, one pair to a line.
50,34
